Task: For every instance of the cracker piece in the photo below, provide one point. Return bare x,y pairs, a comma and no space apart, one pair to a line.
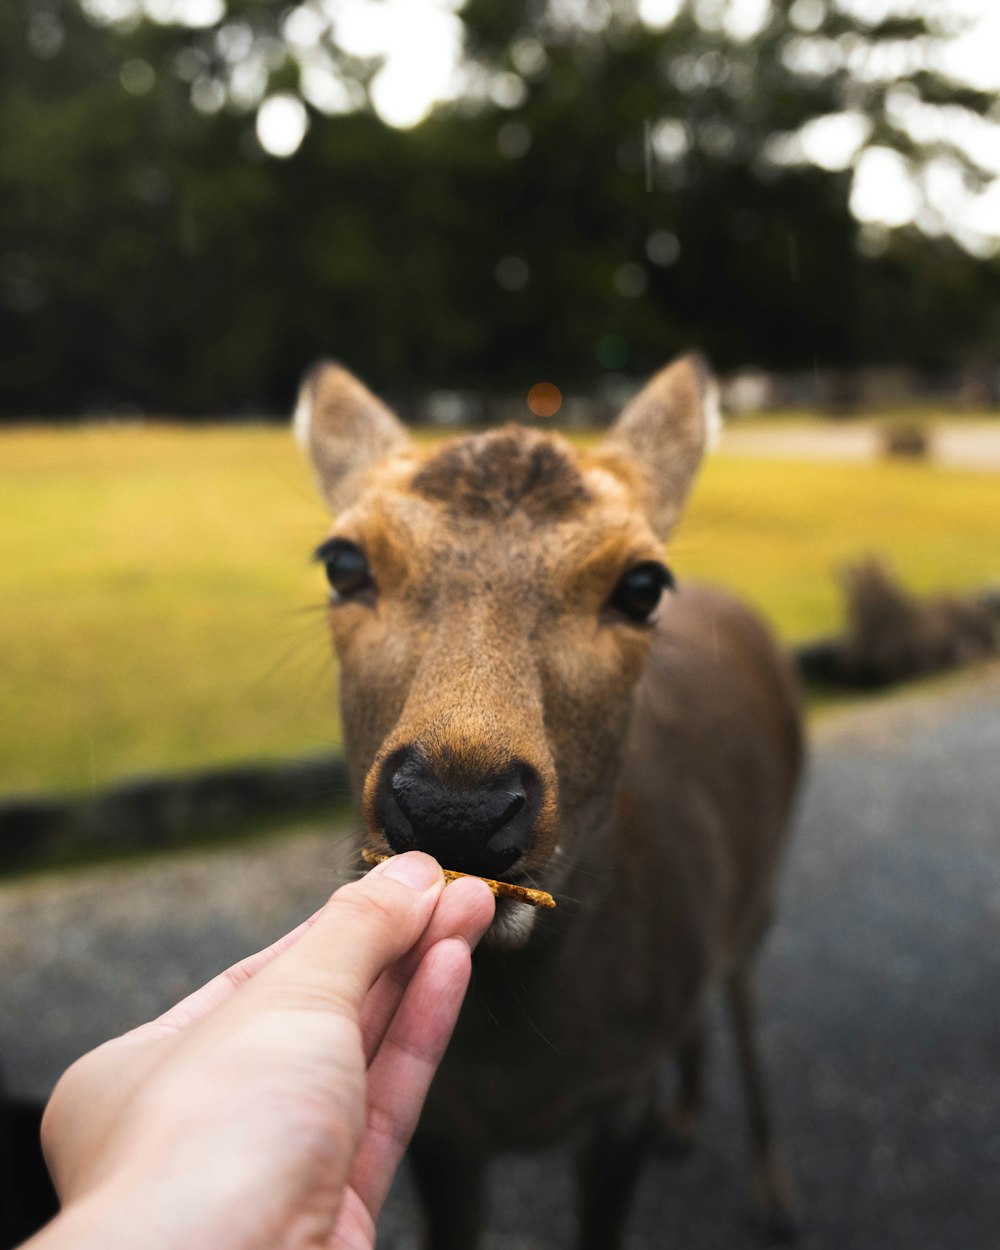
502,889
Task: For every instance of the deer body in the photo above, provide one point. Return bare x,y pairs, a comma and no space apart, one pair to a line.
510,705
666,898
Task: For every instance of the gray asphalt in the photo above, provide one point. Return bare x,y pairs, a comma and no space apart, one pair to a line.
881,985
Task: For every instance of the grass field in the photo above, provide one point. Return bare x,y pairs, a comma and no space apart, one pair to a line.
158,608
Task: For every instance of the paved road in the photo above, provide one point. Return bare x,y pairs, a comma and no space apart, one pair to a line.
882,983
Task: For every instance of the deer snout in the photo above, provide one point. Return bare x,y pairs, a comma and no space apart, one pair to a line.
481,828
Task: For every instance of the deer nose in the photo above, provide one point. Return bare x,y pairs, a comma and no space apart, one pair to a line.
482,829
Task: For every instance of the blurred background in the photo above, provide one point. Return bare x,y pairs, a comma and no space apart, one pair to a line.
461,202
201,195
505,209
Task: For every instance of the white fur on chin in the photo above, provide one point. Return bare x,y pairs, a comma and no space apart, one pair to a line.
512,925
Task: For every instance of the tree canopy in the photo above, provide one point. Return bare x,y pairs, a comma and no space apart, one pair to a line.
606,190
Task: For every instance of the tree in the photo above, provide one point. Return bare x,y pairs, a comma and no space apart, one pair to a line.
604,193
768,265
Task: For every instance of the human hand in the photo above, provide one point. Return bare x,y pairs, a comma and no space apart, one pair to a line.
271,1108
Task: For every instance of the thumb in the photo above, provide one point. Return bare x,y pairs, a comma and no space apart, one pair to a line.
365,928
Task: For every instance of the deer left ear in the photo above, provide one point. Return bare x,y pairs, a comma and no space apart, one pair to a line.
344,429
664,431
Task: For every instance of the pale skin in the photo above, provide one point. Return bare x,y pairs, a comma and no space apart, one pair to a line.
271,1108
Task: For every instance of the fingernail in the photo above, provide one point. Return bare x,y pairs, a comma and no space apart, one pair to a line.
414,869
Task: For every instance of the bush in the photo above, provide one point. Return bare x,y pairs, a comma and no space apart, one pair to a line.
906,439
893,635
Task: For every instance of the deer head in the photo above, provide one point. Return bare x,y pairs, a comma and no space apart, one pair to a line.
492,604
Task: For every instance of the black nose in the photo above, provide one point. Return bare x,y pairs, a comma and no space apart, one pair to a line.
482,829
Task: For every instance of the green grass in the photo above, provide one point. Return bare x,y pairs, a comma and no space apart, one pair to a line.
158,609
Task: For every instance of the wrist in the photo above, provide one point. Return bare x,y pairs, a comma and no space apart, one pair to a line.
87,1223
148,1211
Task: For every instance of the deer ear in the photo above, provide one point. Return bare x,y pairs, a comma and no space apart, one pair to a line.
663,433
344,429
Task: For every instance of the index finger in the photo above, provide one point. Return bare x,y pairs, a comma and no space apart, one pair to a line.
220,987
365,928
464,910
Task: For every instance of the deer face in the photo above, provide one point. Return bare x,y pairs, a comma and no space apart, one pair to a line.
492,605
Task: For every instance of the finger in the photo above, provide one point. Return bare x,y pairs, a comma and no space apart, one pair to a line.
366,927
464,910
402,1071
216,991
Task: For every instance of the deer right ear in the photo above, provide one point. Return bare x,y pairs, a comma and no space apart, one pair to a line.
344,429
664,431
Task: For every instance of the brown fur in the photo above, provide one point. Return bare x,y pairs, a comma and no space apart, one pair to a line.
496,473
668,756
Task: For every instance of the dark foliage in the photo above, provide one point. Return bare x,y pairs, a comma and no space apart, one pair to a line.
153,257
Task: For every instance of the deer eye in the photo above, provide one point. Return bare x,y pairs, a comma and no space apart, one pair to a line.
346,567
638,593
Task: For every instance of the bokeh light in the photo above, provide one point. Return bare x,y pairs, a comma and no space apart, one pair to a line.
544,399
513,140
282,122
663,248
612,351
512,273
137,76
631,280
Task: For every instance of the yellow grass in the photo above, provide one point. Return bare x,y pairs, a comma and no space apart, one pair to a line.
158,609
777,531
152,582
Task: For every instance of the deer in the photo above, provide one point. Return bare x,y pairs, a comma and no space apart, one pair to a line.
527,694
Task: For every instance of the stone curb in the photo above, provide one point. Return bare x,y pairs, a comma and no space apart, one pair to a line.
155,812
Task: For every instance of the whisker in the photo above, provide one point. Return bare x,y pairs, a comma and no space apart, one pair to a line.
524,1011
304,609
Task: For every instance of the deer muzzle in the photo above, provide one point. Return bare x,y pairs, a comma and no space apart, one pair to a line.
484,825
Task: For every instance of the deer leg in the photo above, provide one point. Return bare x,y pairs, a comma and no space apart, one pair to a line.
450,1182
772,1182
685,1117
678,1112
608,1169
